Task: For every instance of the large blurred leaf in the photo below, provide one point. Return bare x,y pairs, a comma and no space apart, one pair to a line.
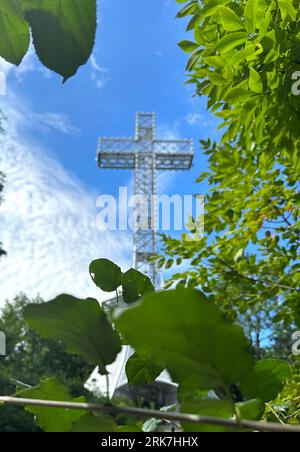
211,408
251,409
63,32
266,380
52,419
105,274
14,32
187,334
141,371
81,326
135,284
94,423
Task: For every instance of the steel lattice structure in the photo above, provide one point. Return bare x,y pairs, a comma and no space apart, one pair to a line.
145,155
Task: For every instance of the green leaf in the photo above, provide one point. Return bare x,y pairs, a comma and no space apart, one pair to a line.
251,409
63,32
186,333
266,380
212,7
52,419
94,423
14,32
211,408
106,275
189,9
229,19
188,46
231,41
287,10
135,285
81,326
141,371
255,82
251,10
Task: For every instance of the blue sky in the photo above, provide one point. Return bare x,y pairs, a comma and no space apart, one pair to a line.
50,144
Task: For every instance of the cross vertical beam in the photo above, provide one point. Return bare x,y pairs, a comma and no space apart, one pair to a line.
145,186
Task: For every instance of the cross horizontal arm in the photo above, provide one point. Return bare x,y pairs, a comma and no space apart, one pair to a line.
119,153
174,154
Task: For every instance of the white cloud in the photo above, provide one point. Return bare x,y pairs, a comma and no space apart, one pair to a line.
99,74
55,121
48,222
29,64
194,119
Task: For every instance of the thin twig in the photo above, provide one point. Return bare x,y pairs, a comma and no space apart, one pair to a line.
274,413
146,414
253,280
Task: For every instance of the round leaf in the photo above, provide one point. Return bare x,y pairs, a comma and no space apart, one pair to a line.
105,274
81,326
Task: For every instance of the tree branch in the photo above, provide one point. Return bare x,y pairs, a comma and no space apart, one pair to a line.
146,414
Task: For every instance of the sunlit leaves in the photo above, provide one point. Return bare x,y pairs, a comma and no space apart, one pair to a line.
229,19
260,44
287,10
188,46
255,82
231,41
251,10
80,325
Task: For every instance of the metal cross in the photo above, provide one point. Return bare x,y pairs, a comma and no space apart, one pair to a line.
146,155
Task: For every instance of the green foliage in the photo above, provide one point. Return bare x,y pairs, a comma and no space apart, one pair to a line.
106,275
197,346
243,56
204,407
248,257
81,326
29,360
182,331
1,182
109,277
266,380
94,423
52,419
63,32
14,32
1,188
135,285
141,371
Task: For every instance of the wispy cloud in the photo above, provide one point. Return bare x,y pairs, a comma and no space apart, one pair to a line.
99,74
55,121
29,64
48,222
194,119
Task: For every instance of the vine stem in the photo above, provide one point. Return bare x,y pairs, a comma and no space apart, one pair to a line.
146,414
